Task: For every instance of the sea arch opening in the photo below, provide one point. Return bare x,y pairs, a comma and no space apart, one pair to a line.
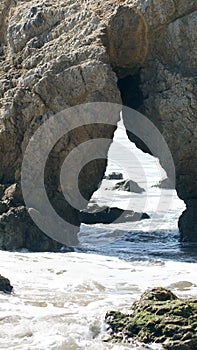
127,52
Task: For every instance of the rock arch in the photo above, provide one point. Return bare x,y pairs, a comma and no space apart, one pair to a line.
149,56
57,55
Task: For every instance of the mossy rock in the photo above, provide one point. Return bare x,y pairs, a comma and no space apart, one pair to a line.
159,316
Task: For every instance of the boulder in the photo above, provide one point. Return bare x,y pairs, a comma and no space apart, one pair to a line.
129,186
160,317
107,215
5,285
187,221
17,231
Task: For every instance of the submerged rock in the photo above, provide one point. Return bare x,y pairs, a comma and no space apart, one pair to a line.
5,285
129,186
159,316
107,215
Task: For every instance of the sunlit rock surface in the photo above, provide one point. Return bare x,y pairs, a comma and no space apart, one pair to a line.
54,55
159,316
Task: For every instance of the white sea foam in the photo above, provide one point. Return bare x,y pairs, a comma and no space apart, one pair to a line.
60,300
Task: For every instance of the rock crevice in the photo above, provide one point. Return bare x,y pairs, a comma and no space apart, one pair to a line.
57,55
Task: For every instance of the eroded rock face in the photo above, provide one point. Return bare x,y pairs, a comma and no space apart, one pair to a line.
52,58
54,55
163,87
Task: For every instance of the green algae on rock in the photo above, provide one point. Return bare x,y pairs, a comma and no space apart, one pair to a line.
159,316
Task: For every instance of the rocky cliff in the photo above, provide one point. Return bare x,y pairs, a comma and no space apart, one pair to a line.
58,54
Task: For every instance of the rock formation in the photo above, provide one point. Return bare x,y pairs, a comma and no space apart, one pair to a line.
54,55
106,215
5,285
129,186
114,176
159,316
164,184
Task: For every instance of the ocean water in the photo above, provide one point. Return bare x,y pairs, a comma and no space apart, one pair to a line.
60,299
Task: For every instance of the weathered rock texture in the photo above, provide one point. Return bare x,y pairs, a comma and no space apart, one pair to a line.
57,54
159,316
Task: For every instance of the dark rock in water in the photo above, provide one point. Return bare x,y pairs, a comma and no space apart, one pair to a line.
129,186
5,285
16,234
65,249
114,176
187,221
165,184
106,215
160,317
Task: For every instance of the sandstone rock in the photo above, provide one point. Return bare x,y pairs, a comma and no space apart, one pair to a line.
42,77
5,285
159,316
129,186
18,231
54,55
165,92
